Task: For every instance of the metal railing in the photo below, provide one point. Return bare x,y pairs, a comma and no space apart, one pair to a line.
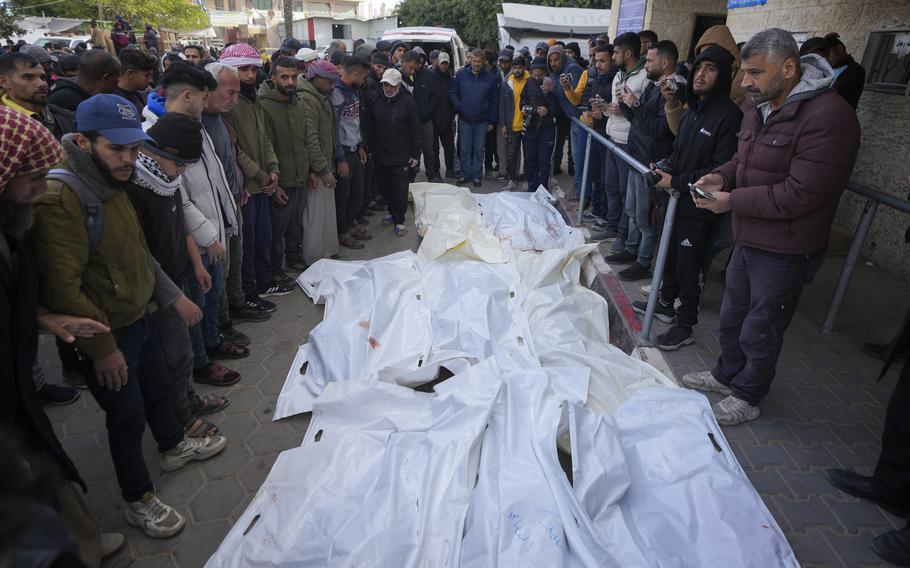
669,218
873,198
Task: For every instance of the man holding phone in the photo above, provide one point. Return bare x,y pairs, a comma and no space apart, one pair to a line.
706,139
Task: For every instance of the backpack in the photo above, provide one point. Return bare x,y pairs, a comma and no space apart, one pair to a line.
92,208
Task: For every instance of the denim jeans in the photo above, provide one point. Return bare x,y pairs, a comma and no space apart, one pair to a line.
471,138
205,333
616,180
145,398
177,348
642,237
538,147
257,244
579,143
761,294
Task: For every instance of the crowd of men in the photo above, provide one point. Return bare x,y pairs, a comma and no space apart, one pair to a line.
148,204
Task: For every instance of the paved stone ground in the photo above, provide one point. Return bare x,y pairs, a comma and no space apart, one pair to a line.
825,410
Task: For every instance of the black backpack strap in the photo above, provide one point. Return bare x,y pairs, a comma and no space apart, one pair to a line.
92,207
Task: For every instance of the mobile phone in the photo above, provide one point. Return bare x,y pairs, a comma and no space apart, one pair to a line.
565,77
699,192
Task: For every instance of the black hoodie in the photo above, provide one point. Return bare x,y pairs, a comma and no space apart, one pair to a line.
67,94
391,127
707,132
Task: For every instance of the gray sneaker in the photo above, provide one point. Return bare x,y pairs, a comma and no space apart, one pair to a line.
510,186
192,449
705,381
156,519
604,235
732,411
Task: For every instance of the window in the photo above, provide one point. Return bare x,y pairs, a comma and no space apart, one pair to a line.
887,62
262,4
219,4
341,31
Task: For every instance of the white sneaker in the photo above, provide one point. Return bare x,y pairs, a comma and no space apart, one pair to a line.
732,411
192,449
510,186
704,381
156,519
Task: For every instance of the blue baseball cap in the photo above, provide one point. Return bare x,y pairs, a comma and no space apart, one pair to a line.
113,117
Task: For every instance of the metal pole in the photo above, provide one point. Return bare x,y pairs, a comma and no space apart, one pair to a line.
659,267
584,182
850,263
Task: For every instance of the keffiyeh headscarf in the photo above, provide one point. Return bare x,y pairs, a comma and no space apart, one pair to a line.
26,146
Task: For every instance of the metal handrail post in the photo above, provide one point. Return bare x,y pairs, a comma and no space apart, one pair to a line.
659,264
862,230
584,181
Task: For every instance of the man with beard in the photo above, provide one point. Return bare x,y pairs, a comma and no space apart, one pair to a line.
25,89
93,262
849,76
350,153
319,220
511,119
30,151
256,158
426,95
475,96
706,140
650,140
392,127
539,131
286,129
99,72
797,148
443,118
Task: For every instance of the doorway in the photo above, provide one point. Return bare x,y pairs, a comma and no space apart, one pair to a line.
702,23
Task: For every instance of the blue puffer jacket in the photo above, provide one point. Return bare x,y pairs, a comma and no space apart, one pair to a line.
475,97
574,69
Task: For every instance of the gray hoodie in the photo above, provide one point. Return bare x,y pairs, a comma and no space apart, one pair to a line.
817,76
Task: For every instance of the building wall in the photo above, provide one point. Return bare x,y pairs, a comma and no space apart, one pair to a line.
885,118
675,19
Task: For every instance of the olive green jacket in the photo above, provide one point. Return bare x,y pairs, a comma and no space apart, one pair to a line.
320,121
255,154
285,125
115,283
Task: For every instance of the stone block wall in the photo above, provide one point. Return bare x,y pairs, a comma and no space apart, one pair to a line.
675,19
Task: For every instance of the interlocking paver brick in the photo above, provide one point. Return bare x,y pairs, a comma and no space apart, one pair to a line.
273,437
854,550
856,514
803,515
228,463
216,499
255,471
200,541
156,561
812,549
771,454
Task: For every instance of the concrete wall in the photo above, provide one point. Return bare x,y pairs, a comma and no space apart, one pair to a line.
885,118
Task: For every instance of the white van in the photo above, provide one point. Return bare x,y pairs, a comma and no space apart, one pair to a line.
444,39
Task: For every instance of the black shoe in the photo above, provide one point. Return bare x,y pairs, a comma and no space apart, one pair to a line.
249,312
634,272
228,333
865,487
477,182
74,378
276,288
880,351
57,394
263,305
296,264
676,337
664,313
621,257
281,277
894,546
461,181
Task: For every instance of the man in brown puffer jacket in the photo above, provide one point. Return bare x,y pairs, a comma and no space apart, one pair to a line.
797,147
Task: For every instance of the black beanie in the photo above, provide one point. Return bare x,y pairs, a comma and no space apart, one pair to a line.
539,63
177,137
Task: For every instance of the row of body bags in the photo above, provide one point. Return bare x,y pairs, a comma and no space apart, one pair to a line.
469,474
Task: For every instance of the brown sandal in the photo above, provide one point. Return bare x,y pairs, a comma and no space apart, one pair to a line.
227,350
206,404
348,241
199,428
215,374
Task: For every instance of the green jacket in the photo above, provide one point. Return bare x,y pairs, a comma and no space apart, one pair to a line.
320,121
285,125
115,283
255,154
